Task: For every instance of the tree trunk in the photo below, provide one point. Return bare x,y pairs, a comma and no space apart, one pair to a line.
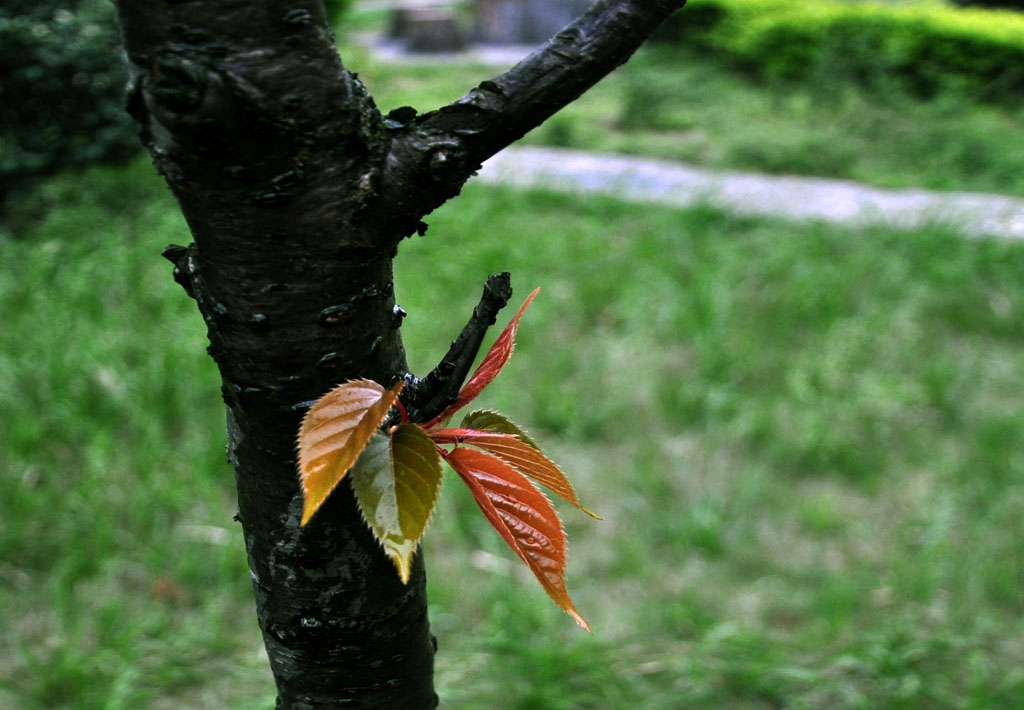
297,193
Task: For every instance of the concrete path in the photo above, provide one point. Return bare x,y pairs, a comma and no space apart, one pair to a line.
647,180
843,202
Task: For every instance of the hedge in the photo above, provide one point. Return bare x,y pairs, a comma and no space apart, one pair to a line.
335,9
1014,4
924,48
62,93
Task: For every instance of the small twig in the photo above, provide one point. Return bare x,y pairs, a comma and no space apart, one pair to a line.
425,398
180,256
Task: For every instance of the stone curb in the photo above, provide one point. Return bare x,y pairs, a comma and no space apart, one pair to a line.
672,184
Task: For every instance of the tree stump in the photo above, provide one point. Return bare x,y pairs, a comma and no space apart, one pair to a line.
523,21
432,29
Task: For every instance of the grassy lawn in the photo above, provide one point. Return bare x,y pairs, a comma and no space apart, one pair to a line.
667,103
807,444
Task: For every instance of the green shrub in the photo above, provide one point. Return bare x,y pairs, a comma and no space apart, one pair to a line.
62,94
335,9
1010,4
922,48
692,25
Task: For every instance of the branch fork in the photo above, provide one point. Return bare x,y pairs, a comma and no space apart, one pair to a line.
425,398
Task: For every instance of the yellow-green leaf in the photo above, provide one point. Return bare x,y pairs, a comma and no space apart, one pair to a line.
489,420
396,483
333,434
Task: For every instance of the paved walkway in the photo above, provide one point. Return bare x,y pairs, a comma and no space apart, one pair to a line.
843,202
647,180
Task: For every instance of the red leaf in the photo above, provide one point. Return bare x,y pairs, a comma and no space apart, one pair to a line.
522,516
521,456
456,436
490,366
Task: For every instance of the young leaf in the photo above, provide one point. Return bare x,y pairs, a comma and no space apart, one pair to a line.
489,420
522,516
333,434
490,366
396,481
524,458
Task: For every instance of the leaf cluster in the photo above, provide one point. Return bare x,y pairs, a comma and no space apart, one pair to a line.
396,474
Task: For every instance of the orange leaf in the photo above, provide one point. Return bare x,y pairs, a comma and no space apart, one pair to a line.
522,516
333,434
490,366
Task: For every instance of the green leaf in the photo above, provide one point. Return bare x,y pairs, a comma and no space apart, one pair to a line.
396,482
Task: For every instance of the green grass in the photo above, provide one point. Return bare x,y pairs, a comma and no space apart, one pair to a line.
669,104
117,503
805,442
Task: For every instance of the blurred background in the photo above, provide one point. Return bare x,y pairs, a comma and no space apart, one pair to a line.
806,440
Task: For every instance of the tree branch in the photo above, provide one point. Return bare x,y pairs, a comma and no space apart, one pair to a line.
433,154
425,398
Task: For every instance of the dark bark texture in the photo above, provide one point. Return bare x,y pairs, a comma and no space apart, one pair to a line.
297,192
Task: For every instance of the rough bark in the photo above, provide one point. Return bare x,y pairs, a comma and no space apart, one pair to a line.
297,193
